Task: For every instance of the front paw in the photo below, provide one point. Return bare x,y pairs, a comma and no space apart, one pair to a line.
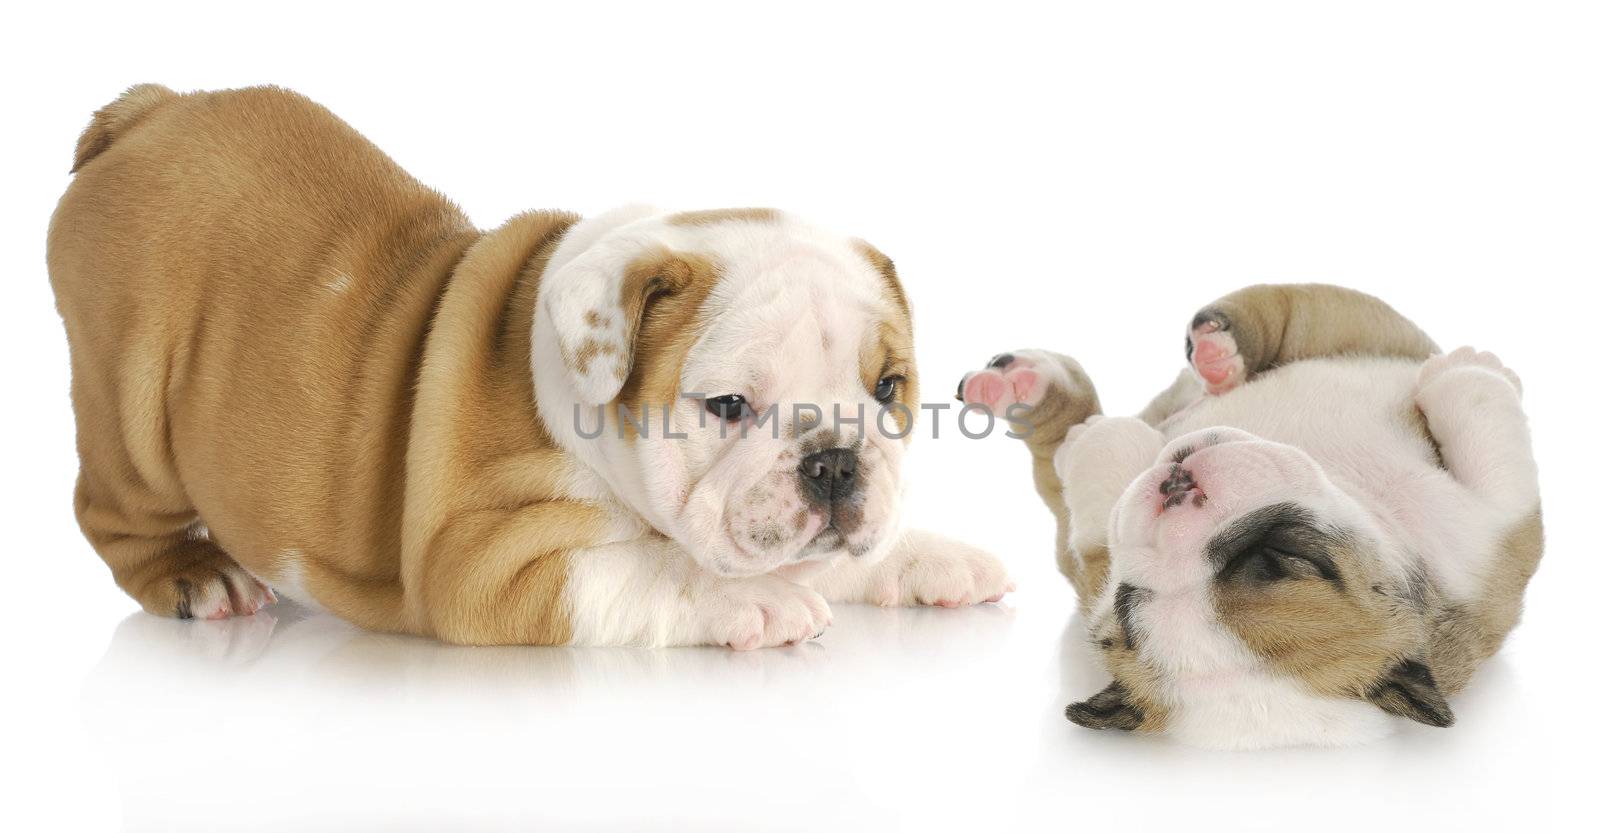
1043,394
1466,363
762,611
945,572
1015,378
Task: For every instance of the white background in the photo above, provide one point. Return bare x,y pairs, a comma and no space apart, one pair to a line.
1075,177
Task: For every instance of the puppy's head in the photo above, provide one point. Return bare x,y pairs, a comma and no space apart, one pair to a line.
1251,602
750,377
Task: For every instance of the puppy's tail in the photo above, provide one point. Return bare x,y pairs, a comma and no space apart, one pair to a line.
117,118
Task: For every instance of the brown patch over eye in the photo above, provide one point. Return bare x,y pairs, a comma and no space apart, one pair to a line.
1304,600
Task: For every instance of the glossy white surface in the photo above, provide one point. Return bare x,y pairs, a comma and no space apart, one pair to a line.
1080,178
896,719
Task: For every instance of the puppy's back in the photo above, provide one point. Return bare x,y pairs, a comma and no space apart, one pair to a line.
169,181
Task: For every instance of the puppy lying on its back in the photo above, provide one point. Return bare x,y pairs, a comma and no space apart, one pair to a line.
1328,521
295,367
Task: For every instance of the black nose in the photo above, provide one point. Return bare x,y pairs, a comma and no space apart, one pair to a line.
1178,480
829,475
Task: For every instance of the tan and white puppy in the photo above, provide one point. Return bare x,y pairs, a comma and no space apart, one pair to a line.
1323,526
297,368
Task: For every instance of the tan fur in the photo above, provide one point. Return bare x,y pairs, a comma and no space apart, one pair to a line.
1463,637
891,277
664,292
117,118
276,330
488,522
713,216
1337,640
1275,324
1086,570
1143,686
891,354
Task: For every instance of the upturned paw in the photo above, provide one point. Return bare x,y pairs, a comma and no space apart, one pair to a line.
1008,379
1214,354
946,573
1042,394
1467,361
763,611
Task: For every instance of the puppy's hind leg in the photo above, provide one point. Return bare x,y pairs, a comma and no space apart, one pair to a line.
1261,327
132,508
1473,405
163,559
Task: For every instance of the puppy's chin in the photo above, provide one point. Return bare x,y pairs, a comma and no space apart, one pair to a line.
736,561
725,556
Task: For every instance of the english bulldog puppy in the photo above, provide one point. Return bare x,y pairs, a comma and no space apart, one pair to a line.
297,370
1323,526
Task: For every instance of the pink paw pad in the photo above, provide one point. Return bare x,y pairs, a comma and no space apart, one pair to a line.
985,387
1215,358
1007,381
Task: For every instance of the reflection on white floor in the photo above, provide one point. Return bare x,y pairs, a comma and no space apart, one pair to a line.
895,719
287,716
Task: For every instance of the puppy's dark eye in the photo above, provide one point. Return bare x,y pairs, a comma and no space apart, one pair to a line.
887,387
731,407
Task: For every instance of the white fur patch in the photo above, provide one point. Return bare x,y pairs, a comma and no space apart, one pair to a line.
289,581
648,593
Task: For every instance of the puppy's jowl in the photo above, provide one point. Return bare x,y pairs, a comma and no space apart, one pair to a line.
1322,527
296,369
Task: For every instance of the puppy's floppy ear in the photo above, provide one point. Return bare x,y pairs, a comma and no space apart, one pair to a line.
1408,690
596,303
1110,709
885,268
